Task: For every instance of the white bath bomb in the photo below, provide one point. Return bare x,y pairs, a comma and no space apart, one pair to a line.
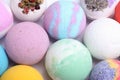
102,37
96,9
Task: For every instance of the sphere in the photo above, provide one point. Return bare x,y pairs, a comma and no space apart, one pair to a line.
68,59
26,10
60,23
21,72
6,19
96,9
106,70
3,60
26,43
102,37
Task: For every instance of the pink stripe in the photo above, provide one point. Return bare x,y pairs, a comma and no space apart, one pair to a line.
73,20
57,21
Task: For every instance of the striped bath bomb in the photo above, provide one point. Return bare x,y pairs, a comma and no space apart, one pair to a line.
106,70
64,19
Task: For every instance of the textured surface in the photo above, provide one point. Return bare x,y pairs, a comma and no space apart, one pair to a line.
106,70
26,43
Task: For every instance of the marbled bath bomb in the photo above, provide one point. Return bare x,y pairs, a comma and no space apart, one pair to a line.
64,19
68,59
106,70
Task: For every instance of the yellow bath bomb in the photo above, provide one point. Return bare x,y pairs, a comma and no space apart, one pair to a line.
21,72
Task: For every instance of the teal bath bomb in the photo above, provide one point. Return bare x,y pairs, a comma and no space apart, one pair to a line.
68,59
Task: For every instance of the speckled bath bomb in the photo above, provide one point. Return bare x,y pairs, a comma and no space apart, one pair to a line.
26,43
64,19
68,59
106,70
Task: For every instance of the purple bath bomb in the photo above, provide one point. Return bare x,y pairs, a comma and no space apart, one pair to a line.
26,43
64,19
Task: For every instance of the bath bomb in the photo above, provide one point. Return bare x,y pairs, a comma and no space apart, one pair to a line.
3,60
102,37
96,9
21,72
28,10
117,13
26,43
68,59
106,70
6,19
62,21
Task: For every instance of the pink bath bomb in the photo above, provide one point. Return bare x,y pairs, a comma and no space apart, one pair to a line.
26,43
6,19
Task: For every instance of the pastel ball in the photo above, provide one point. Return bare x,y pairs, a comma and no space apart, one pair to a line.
3,60
6,19
31,16
68,59
96,9
102,37
26,43
62,21
21,72
106,70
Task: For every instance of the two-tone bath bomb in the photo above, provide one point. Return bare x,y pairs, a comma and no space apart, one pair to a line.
26,43
102,37
68,59
6,19
106,70
3,60
64,19
21,72
96,9
28,10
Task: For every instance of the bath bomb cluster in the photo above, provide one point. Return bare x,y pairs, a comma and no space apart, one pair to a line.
49,32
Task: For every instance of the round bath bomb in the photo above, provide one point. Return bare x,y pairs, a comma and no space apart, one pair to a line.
62,21
102,37
68,59
28,10
106,70
26,43
6,19
21,72
3,61
117,13
96,9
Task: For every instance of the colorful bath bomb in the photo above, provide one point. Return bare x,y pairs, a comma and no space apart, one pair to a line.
62,21
96,9
3,60
28,10
21,72
102,37
6,19
106,70
68,59
117,13
26,43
